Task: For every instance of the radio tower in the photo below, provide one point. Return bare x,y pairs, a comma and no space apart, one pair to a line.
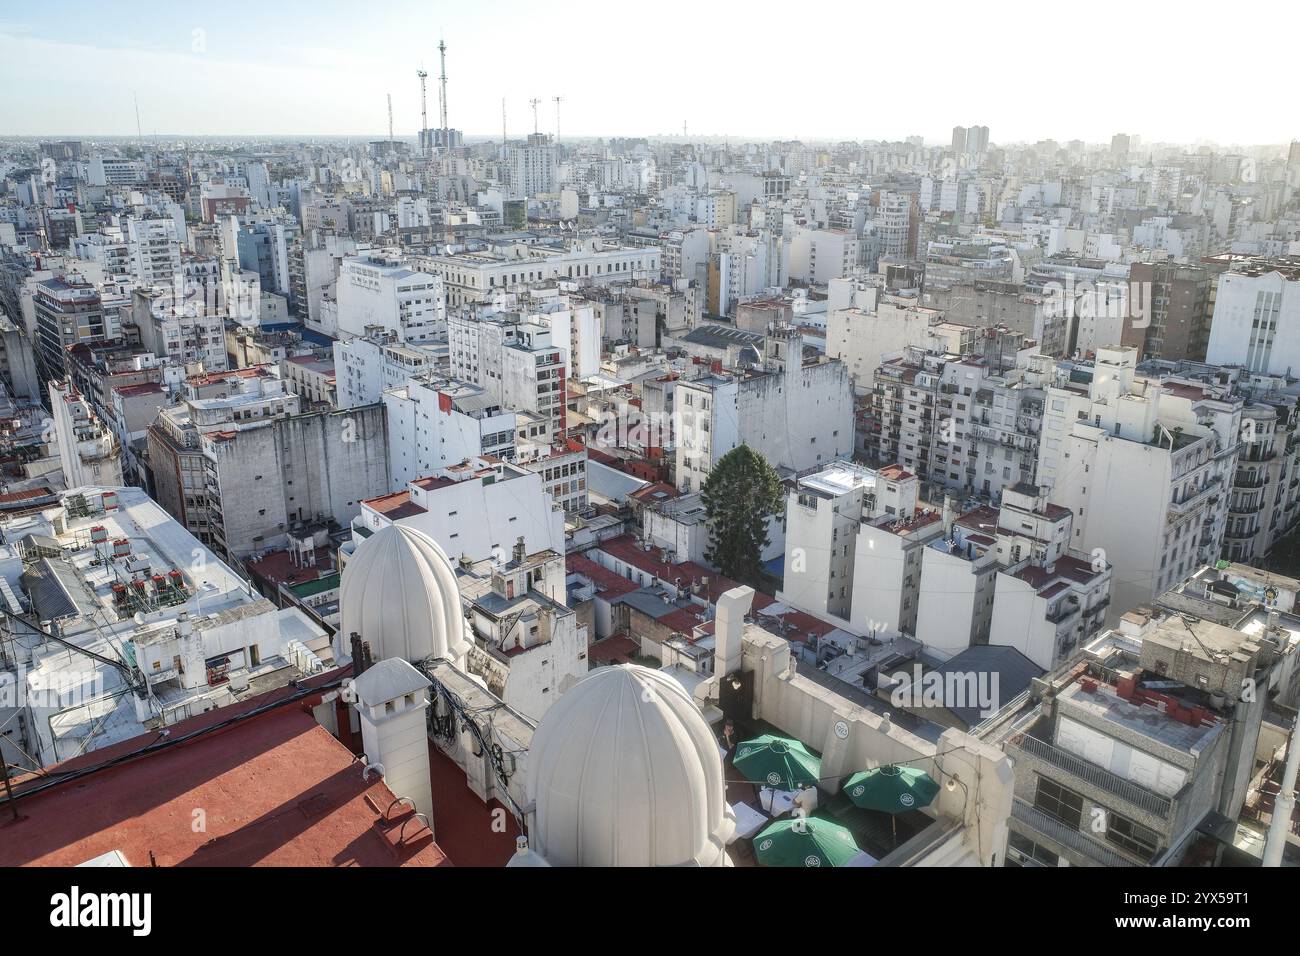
558,100
446,132
390,122
503,122
424,115
534,101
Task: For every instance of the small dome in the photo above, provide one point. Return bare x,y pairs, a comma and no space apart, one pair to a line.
624,771
399,593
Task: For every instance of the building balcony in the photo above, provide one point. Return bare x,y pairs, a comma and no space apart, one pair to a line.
1036,821
1072,765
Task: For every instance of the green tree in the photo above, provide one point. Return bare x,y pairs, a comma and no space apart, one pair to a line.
741,493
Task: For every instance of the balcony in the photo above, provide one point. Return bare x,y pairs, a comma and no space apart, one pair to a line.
1134,794
1037,821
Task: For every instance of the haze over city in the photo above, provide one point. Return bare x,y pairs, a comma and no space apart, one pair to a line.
778,71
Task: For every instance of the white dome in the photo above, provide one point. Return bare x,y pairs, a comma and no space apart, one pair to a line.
399,593
624,771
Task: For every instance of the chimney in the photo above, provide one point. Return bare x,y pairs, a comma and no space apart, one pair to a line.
729,629
392,701
948,516
519,552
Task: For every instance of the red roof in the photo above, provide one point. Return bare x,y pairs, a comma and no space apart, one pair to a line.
394,506
276,790
611,585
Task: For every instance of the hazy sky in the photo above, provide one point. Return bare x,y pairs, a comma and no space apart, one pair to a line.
813,69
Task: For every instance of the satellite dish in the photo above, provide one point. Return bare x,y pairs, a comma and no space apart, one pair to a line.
447,249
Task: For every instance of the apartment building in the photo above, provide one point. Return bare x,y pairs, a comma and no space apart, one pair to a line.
89,452
1256,319
796,414
383,290
1124,753
435,422
365,367
477,509
475,276
861,337
1143,475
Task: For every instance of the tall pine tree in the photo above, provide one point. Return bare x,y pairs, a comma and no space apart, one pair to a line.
741,493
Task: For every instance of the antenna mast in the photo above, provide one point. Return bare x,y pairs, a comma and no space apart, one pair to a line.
503,122
558,100
534,101
424,115
390,122
446,133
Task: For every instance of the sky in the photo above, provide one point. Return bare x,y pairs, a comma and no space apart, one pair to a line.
813,70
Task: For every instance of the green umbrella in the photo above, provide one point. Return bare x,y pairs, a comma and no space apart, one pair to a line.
892,789
811,841
777,762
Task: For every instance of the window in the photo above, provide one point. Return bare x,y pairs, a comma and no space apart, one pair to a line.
1131,837
1056,801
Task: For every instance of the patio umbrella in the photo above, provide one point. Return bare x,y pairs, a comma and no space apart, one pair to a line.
814,841
891,789
778,762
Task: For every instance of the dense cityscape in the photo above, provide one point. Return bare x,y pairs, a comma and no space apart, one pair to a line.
545,500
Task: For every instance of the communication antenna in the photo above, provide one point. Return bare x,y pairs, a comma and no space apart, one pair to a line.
446,132
503,122
534,101
139,135
558,100
424,114
390,121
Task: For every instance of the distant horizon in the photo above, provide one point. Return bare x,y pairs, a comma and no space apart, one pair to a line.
578,138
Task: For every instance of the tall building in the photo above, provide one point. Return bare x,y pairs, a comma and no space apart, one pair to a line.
1256,321
380,290
532,166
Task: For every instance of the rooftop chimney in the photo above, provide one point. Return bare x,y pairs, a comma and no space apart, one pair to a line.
519,552
729,629
392,700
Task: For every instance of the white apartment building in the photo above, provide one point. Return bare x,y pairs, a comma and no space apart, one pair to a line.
478,509
819,255
823,514
1256,322
382,290
109,171
89,453
1146,489
796,415
155,250
861,338
185,332
436,422
958,572
532,166
1049,598
364,368
476,276
563,468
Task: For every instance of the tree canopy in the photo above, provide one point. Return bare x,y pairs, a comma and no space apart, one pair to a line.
742,492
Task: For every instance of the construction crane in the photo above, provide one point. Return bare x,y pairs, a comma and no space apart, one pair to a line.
424,114
558,100
534,101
